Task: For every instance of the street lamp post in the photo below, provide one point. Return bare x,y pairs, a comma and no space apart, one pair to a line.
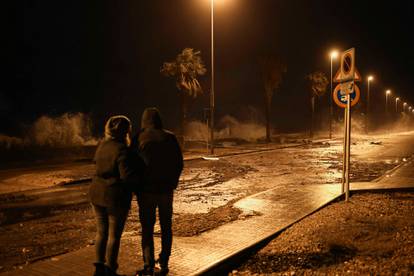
388,92
333,55
396,104
212,100
404,105
369,79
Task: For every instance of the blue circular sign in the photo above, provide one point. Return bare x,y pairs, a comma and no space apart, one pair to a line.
340,98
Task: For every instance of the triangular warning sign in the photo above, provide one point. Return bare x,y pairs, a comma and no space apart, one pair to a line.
357,76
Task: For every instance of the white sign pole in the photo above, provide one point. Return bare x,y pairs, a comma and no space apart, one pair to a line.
345,147
348,151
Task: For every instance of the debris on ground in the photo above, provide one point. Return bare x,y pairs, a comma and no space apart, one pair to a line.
376,142
372,234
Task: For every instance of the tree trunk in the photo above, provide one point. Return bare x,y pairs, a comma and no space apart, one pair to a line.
183,119
313,116
268,101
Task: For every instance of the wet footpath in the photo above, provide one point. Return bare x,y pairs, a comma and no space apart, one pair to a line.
274,210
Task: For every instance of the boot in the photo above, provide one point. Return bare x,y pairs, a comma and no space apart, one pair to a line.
100,269
146,271
162,267
110,272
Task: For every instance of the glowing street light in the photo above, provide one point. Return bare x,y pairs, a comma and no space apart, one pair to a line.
387,93
409,108
396,104
404,105
369,79
333,55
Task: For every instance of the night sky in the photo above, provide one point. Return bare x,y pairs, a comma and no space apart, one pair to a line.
103,57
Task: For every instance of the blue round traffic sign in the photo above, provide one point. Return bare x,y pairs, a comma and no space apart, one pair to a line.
340,98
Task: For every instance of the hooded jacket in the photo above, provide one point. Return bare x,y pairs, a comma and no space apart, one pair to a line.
161,153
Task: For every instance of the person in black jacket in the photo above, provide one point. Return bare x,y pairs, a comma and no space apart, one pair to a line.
163,165
109,193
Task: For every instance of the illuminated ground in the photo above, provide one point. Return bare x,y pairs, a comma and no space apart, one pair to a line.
205,196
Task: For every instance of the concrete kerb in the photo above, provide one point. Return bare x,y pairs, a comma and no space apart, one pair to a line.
221,266
391,171
224,265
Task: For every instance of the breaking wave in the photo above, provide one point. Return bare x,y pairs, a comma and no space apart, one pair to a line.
67,130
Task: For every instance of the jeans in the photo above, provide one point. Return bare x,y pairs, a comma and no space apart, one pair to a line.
148,203
110,224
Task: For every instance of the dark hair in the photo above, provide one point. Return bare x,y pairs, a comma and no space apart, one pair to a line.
151,118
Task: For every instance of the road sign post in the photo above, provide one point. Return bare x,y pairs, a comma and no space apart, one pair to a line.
345,149
346,95
348,147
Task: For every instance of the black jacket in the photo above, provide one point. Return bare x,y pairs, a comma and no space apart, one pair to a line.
115,165
161,153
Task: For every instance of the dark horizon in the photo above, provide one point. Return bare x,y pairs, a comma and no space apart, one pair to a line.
103,58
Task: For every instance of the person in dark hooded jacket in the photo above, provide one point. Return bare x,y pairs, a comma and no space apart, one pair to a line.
163,160
109,192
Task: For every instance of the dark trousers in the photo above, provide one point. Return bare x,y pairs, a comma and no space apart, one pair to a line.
148,203
110,224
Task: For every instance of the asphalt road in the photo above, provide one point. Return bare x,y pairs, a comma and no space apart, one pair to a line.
209,180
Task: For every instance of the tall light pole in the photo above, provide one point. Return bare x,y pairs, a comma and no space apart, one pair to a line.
369,79
387,93
212,100
396,104
404,105
333,55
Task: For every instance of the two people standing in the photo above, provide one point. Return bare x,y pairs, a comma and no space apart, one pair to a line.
150,167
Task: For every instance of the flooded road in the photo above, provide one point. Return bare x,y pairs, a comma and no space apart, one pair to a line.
40,220
207,184
210,184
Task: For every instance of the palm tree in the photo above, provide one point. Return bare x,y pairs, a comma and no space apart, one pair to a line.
318,82
272,72
186,68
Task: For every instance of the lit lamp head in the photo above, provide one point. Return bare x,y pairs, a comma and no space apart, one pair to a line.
397,99
405,104
388,92
334,54
370,78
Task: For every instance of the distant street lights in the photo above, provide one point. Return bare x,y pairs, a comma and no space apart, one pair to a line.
369,79
396,104
333,55
404,105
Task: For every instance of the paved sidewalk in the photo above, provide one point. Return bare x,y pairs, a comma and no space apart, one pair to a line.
275,210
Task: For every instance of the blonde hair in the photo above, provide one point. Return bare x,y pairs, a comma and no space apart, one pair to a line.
119,128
